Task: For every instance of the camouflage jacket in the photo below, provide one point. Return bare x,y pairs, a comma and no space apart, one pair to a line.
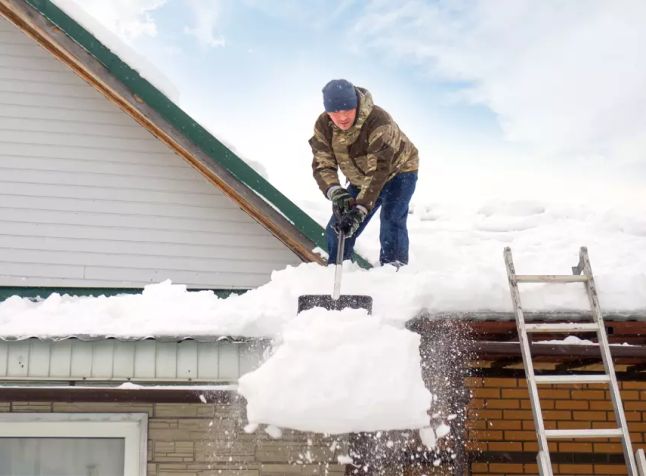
369,154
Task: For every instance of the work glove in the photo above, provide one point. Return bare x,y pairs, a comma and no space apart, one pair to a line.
342,201
352,220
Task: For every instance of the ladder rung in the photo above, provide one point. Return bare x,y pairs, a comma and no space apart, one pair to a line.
550,278
596,433
563,327
560,379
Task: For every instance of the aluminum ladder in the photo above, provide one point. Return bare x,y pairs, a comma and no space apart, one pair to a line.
582,273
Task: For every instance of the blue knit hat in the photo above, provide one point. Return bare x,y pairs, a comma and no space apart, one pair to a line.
339,95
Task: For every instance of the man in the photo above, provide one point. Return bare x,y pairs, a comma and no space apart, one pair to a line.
379,162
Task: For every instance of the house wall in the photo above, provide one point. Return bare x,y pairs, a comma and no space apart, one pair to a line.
209,439
500,424
89,198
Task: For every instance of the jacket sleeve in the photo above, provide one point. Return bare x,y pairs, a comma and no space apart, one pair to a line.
324,164
383,144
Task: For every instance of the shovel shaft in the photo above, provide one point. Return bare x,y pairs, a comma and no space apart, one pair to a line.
338,267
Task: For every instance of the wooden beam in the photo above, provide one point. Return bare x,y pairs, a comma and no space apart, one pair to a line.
492,350
506,362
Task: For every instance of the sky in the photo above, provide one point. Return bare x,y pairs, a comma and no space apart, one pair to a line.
512,99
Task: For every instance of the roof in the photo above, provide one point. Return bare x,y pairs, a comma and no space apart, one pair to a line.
165,361
120,83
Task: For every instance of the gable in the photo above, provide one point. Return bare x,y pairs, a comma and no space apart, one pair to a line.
88,197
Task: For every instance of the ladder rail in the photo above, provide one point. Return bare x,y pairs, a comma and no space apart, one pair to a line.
581,273
537,412
606,357
641,462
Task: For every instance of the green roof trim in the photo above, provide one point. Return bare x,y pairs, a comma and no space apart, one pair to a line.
44,292
214,149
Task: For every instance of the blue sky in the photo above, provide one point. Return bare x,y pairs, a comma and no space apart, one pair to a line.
511,98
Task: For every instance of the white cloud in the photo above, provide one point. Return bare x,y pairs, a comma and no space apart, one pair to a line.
205,15
128,19
563,77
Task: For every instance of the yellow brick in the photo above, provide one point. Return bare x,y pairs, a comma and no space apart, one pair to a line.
517,414
557,415
608,448
588,395
504,446
515,393
571,405
511,435
609,469
589,416
629,395
500,382
476,403
504,404
549,393
486,393
485,414
575,447
485,435
575,469
601,405
505,468
479,468
504,425
635,405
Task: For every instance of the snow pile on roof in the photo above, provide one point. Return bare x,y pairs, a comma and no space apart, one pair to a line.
338,372
456,265
110,40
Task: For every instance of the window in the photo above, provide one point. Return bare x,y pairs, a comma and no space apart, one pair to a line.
83,444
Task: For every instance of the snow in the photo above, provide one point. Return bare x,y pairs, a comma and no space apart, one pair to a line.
456,266
110,40
575,340
345,372
342,371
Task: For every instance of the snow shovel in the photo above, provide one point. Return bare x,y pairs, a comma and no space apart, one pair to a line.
336,301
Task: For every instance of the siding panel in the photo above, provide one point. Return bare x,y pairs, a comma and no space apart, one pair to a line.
90,198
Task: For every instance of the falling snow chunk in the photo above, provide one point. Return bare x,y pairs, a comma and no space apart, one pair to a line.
273,431
340,372
344,459
250,428
427,435
202,398
442,430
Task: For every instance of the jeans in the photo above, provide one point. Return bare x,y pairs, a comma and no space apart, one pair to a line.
393,236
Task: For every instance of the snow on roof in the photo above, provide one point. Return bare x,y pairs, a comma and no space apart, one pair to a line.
456,266
115,44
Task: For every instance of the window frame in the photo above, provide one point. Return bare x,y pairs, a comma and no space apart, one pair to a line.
132,427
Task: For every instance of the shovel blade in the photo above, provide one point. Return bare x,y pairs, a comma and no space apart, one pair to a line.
353,301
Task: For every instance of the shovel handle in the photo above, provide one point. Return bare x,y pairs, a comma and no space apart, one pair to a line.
338,268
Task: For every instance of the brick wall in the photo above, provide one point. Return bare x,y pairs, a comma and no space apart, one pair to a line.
209,440
500,426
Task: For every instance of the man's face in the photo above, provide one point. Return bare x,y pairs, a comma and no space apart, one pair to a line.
343,119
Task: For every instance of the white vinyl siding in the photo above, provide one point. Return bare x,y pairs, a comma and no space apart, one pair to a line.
139,361
89,198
